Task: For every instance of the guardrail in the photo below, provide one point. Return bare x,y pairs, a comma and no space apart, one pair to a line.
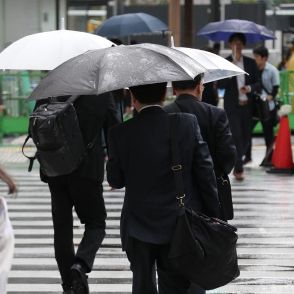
16,86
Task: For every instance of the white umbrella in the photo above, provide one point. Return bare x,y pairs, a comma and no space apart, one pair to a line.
217,67
47,50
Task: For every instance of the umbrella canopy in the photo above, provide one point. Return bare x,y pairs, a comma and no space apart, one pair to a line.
129,24
103,70
216,66
47,50
222,30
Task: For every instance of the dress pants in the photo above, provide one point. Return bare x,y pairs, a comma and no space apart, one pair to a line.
268,132
85,195
240,125
143,257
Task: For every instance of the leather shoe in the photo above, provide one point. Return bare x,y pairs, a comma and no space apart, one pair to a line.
246,160
239,176
67,289
79,279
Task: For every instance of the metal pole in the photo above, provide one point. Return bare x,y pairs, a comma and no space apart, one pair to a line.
2,24
188,12
215,10
57,14
174,20
119,6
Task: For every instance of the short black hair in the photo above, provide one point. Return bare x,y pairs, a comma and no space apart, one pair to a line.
188,84
150,93
238,36
261,51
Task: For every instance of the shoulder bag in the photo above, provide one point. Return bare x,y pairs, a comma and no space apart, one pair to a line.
202,249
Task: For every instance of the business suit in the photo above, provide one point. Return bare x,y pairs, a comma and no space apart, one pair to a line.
215,130
240,116
140,161
82,189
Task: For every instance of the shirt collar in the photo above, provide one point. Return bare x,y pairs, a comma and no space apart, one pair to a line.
148,106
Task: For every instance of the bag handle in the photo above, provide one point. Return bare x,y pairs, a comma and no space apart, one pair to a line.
31,159
176,167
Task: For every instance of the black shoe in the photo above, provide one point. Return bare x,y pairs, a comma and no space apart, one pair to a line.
67,289
265,163
246,160
79,280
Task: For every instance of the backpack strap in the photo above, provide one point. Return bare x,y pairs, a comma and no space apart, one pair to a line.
72,98
31,158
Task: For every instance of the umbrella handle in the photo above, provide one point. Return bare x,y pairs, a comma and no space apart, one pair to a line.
234,55
172,41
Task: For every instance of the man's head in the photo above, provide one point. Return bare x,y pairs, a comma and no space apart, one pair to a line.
237,42
148,94
261,56
193,87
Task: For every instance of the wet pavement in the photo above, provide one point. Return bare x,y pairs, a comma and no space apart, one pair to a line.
264,216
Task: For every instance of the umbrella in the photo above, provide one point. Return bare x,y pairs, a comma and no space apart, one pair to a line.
216,66
222,30
129,24
103,70
47,50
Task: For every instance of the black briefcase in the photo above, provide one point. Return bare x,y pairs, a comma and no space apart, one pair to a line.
225,197
203,250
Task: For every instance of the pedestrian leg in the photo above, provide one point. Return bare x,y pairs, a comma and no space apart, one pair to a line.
63,228
142,259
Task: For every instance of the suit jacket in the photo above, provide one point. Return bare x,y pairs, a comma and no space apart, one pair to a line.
140,161
231,101
215,130
96,115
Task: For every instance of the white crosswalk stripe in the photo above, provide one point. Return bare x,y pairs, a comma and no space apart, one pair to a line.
264,215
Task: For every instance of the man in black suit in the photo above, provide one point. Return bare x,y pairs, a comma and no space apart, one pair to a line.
82,189
215,130
140,161
238,99
214,126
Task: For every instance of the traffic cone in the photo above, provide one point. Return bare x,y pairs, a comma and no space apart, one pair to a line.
282,159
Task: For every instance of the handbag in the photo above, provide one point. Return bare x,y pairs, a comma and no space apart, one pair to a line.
202,248
225,196
261,108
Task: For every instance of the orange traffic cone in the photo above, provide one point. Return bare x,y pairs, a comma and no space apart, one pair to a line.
282,159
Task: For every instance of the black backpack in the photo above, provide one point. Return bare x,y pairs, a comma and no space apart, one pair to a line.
54,129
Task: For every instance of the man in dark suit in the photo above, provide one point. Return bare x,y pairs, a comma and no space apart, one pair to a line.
82,189
215,130
140,161
214,126
238,99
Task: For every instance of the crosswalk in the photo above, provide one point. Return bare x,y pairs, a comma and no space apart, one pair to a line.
264,215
